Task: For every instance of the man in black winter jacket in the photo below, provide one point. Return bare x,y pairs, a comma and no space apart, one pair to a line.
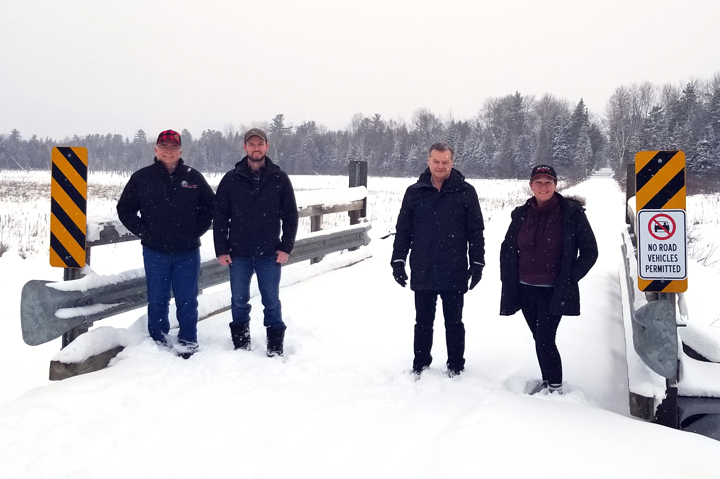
441,222
169,206
255,203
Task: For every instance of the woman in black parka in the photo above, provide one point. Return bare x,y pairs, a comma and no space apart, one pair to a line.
548,248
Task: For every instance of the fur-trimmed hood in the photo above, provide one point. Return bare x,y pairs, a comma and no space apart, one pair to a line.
573,200
578,199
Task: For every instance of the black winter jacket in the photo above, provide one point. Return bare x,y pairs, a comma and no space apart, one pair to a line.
175,210
579,255
251,209
440,228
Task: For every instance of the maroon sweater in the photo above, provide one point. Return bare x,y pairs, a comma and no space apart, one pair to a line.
540,242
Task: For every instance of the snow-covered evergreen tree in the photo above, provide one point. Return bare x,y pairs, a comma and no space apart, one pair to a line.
561,158
582,158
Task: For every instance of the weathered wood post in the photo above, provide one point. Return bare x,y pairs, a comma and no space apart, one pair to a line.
358,177
316,225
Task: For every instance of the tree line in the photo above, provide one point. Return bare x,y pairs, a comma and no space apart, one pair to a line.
647,117
507,137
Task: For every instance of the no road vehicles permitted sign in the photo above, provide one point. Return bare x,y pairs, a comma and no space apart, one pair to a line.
662,244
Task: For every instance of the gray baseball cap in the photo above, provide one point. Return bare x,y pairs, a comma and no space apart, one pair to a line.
255,132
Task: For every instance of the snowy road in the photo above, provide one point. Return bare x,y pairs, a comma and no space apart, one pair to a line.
343,404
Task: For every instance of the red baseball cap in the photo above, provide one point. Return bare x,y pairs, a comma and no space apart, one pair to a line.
169,135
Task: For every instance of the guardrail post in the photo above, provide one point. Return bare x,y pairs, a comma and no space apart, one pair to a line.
316,225
667,413
358,177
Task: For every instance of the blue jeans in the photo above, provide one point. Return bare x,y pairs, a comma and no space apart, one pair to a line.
179,271
268,278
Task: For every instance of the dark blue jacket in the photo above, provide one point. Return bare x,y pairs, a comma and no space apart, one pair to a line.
175,210
440,229
252,209
579,255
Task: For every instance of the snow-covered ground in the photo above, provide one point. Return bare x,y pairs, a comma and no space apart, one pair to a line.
342,402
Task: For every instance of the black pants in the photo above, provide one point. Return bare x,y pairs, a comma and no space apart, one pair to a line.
535,305
425,306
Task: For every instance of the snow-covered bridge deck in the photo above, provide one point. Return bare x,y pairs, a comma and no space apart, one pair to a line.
343,404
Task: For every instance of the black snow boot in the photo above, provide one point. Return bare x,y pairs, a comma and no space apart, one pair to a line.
275,338
455,339
240,333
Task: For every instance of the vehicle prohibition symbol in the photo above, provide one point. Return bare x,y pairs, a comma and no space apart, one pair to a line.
662,227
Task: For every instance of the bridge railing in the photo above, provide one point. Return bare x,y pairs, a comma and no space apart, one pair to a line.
69,308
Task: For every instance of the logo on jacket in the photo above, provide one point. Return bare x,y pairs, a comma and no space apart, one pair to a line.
185,184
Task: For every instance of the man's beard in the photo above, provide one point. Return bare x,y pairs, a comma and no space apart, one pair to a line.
257,160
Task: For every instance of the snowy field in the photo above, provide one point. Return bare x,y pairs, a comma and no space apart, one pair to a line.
342,402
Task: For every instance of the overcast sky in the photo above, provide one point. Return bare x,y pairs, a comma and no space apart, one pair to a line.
100,66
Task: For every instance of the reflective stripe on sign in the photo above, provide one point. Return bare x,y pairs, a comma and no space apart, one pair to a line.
68,206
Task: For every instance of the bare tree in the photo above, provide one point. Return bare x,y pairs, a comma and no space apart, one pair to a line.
625,111
546,110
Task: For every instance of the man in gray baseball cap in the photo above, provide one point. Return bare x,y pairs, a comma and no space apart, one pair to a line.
255,202
255,132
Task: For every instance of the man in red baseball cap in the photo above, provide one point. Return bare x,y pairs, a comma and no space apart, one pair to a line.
168,148
169,206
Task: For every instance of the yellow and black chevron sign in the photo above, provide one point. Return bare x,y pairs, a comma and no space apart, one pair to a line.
68,192
660,185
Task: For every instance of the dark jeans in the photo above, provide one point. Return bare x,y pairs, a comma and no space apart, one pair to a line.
268,277
535,305
179,272
425,306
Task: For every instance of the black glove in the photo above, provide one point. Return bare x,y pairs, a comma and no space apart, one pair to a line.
475,272
399,274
